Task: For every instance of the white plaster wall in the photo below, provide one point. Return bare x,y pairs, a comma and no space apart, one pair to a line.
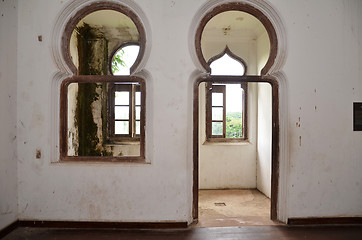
262,51
264,114
8,77
159,191
324,75
264,136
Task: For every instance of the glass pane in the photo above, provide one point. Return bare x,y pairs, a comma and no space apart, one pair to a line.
138,127
138,113
121,112
121,127
121,98
234,111
138,98
217,113
217,99
217,128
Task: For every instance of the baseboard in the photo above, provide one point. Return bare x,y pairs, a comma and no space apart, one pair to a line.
324,220
84,224
5,231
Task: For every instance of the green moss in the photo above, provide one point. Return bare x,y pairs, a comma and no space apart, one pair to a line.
87,128
92,54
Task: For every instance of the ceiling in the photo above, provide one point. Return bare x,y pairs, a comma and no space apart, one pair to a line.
235,22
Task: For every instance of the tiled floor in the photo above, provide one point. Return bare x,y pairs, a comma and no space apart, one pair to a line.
231,208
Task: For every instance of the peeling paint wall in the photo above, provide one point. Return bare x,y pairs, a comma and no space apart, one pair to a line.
323,68
8,119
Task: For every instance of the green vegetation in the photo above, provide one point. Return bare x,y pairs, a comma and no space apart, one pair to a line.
234,125
118,60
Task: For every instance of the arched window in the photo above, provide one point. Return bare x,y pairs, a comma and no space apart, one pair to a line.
227,66
123,59
226,102
124,98
103,104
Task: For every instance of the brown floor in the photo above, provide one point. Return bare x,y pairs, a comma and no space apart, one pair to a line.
233,208
242,233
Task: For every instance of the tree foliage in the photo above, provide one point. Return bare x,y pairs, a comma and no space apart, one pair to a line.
234,125
118,61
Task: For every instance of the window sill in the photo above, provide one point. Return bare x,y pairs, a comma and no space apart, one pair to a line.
120,143
227,142
103,159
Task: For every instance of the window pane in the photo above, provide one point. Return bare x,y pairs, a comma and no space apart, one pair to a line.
121,98
217,128
138,98
217,99
138,113
121,127
138,127
217,113
121,112
234,111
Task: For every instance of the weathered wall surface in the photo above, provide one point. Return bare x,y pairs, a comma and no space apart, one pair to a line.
159,191
8,77
323,68
324,75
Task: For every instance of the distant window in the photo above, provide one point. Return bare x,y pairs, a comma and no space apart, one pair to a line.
125,98
125,110
227,65
226,102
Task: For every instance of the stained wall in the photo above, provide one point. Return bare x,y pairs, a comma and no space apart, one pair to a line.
323,69
8,116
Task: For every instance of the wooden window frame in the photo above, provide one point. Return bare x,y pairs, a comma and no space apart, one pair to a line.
131,136
208,106
64,118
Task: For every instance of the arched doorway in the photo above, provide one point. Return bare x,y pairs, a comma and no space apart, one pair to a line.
261,75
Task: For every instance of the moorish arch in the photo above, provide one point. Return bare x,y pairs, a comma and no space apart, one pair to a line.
271,72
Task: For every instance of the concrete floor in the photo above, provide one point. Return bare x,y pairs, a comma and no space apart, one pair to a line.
232,208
